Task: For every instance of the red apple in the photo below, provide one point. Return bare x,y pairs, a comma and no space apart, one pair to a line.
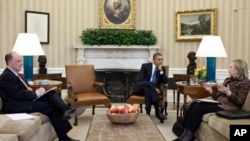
114,109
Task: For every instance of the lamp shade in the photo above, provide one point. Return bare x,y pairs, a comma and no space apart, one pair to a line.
211,46
28,44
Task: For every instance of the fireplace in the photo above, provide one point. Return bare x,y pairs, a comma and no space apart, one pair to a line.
116,66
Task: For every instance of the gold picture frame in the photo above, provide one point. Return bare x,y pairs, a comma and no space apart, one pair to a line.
115,16
193,25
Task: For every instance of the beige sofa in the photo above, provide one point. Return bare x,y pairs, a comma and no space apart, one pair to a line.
215,128
37,129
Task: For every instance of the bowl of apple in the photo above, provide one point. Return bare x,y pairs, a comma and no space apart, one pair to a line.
123,114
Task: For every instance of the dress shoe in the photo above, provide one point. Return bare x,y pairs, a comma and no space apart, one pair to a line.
69,139
160,117
73,113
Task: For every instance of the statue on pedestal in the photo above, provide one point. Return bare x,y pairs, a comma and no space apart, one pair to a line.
192,64
42,63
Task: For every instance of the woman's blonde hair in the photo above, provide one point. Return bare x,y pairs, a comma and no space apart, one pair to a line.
242,68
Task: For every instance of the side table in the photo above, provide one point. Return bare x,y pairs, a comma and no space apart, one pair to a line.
193,91
51,83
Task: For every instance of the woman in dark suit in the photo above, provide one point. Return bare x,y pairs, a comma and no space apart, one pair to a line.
231,95
18,97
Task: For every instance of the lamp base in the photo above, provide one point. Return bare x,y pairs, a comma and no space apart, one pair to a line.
28,68
211,68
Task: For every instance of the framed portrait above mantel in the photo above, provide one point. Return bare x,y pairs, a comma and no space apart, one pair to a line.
193,25
117,14
38,22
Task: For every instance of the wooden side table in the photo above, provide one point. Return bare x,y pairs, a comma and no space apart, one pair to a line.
51,83
194,91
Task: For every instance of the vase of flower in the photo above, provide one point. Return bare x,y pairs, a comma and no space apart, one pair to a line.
201,72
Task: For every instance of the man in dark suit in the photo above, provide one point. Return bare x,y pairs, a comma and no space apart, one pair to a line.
18,97
151,78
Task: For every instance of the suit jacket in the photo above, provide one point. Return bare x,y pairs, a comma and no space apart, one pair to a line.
145,76
16,97
146,72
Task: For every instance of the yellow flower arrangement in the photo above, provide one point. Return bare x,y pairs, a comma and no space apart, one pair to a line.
201,72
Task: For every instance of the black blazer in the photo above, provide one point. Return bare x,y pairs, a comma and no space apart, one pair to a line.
16,98
144,79
146,72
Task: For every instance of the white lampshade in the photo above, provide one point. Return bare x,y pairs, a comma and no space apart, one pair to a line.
211,46
28,44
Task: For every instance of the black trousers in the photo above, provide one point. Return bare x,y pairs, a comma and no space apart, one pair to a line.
195,112
53,106
147,89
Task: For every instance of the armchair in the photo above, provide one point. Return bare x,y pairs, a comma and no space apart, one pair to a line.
141,99
81,85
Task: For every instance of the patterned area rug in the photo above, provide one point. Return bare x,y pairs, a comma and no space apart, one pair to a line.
101,129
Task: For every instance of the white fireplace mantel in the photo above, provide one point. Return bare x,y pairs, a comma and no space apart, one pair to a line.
115,57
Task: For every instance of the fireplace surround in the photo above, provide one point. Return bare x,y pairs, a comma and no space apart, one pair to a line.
116,66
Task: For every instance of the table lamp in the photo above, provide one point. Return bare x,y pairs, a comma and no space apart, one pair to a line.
28,45
211,47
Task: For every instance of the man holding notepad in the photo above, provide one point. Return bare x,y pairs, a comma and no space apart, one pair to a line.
18,97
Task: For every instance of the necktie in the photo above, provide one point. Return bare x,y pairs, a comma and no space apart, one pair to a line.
154,78
20,78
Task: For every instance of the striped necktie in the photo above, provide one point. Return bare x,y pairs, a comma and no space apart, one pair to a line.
20,78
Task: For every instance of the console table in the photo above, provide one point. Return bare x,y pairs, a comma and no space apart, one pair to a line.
55,80
51,83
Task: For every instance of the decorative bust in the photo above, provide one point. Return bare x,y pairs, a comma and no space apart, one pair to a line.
192,64
42,63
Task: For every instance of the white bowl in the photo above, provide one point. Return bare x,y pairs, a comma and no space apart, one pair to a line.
122,118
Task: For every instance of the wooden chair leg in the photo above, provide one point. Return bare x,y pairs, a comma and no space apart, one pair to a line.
141,108
93,110
166,107
76,121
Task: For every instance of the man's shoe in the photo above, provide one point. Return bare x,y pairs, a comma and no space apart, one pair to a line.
68,114
160,117
163,116
69,139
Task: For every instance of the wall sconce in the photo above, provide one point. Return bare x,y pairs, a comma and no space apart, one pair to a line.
28,45
211,47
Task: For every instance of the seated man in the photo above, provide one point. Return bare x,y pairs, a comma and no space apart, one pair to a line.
18,97
151,77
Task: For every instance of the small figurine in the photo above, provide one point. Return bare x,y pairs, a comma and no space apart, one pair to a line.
42,63
192,64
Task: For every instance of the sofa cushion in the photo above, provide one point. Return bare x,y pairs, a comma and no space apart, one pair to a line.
222,125
206,117
8,137
43,117
246,106
24,129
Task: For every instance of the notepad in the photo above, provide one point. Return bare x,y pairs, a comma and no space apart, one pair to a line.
49,90
207,101
19,116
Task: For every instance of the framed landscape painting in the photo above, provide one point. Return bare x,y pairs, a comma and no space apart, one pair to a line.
117,14
193,25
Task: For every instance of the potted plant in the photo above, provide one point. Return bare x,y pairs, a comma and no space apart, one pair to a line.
118,37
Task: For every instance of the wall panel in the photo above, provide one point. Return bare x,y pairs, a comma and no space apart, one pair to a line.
69,17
